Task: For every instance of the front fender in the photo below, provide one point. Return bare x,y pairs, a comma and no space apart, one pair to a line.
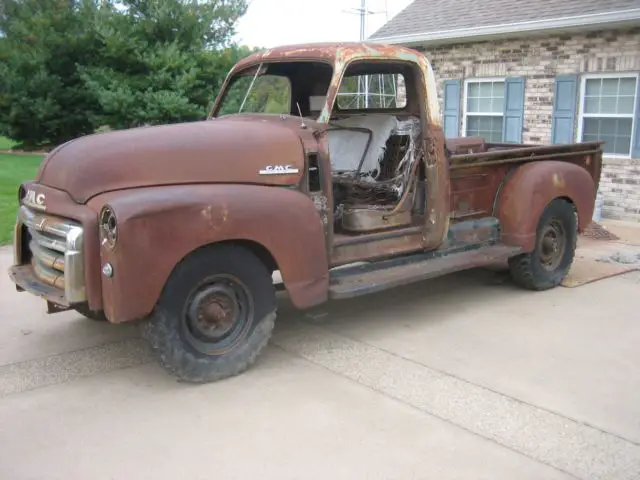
531,188
158,227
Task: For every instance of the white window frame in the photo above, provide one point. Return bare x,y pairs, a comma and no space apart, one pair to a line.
581,114
465,98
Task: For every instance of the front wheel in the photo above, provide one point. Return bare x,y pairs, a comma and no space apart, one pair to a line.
215,315
549,263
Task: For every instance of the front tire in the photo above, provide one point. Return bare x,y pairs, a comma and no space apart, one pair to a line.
556,238
215,314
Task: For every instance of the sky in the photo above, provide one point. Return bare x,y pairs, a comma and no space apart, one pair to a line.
269,23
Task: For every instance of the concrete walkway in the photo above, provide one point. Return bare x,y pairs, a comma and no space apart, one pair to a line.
458,378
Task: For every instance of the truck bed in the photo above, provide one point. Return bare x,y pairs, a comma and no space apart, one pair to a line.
474,152
478,169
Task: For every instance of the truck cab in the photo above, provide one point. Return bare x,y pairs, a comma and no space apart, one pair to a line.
313,157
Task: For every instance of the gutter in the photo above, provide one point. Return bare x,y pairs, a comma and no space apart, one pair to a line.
630,16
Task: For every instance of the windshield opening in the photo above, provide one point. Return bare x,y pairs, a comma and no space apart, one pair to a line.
278,88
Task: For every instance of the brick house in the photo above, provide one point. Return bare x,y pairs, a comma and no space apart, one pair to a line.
540,71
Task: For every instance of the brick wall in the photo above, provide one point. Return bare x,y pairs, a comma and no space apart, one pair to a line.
540,60
620,187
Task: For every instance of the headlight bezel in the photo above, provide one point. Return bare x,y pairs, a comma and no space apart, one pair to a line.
108,224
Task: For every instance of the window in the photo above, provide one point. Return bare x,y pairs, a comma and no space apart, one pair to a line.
484,109
380,90
606,111
257,94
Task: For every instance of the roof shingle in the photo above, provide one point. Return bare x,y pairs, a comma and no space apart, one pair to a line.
426,16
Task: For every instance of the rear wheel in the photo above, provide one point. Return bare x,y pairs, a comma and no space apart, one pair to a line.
215,315
549,263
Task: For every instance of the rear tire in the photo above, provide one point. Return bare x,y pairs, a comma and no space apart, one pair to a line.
215,314
556,238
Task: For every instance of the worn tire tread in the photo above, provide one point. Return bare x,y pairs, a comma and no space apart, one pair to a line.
522,267
188,367
194,367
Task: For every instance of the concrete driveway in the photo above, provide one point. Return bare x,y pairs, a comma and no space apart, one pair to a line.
463,377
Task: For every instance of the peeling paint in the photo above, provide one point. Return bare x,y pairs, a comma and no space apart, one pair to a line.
339,55
558,180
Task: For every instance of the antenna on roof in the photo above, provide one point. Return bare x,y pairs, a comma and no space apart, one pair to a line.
363,12
363,81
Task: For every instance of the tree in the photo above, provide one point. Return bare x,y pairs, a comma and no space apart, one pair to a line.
42,96
70,66
162,61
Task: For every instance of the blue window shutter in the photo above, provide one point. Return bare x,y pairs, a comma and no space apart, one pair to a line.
564,109
513,110
451,108
635,149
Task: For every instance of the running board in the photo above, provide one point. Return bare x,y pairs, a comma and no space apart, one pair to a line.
362,279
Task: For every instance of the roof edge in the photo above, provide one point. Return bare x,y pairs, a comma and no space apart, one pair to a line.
532,26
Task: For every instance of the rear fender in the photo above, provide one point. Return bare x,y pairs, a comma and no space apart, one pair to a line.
158,227
531,188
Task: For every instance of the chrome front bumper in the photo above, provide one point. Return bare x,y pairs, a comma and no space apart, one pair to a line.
54,258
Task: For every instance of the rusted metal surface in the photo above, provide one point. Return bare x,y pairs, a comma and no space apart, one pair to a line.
367,220
532,187
552,245
24,277
55,308
340,55
325,180
373,246
486,153
158,227
321,203
472,194
481,180
232,150
438,185
473,232
465,145
373,278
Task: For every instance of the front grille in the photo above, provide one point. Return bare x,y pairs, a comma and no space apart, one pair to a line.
54,250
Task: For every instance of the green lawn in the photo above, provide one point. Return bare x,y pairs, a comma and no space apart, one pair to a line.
14,169
6,144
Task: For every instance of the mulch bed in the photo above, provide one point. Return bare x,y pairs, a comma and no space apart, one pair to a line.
596,231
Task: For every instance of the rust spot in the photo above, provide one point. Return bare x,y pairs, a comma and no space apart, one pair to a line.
206,213
321,204
558,180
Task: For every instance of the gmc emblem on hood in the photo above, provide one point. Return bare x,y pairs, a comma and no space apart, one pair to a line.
278,170
34,199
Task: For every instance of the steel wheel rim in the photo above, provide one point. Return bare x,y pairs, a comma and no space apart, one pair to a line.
218,315
552,245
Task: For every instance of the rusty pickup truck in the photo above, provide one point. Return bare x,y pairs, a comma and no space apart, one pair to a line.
326,163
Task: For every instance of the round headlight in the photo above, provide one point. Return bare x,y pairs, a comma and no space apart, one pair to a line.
108,227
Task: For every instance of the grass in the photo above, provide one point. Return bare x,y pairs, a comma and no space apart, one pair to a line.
14,169
6,144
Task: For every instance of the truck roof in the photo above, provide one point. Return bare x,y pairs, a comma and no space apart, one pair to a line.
330,51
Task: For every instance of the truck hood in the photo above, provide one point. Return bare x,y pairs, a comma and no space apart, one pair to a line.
226,150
